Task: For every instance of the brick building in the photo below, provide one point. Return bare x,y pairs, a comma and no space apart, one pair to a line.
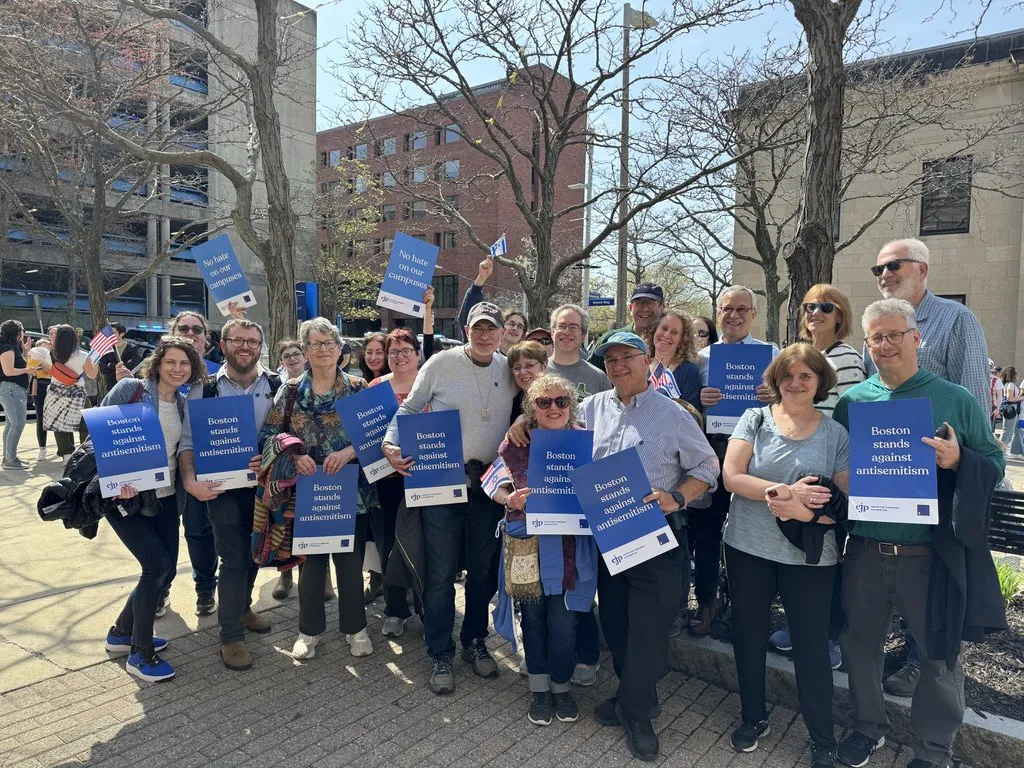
422,162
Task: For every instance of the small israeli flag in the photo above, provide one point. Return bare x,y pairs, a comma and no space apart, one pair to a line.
500,248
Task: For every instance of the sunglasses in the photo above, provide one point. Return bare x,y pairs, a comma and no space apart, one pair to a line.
544,341
826,307
562,401
197,330
701,334
892,266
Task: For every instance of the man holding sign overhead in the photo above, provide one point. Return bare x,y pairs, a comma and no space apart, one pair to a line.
907,566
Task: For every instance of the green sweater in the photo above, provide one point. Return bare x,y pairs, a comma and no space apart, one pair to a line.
950,403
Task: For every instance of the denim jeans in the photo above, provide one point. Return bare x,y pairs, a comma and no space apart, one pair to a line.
202,551
1012,437
15,402
588,639
443,529
231,517
549,642
153,541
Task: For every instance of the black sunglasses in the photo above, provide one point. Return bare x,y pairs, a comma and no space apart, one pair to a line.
892,266
545,341
562,401
826,307
702,334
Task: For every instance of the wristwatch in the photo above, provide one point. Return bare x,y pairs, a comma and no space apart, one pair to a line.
679,499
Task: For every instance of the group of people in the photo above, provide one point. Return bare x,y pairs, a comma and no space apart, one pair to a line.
771,496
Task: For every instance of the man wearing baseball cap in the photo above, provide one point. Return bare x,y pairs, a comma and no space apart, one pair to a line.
542,336
638,605
646,304
475,380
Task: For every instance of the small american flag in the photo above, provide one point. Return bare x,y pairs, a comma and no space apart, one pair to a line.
663,379
496,476
102,342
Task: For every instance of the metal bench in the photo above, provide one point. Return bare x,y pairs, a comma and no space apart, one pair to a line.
1006,525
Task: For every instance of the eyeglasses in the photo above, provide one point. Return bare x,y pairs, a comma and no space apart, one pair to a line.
514,325
620,360
702,334
826,307
544,403
405,354
741,311
544,341
892,266
291,356
196,330
893,337
323,345
568,327
529,367
481,330
247,343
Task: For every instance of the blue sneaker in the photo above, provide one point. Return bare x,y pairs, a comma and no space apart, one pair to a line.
835,656
152,669
781,641
123,643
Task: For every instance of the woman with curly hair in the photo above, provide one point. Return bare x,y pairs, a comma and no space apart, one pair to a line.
672,345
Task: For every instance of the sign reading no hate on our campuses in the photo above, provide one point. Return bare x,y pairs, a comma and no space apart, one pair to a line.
408,275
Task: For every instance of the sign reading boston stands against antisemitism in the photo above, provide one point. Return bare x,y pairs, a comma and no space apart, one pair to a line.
222,273
365,417
736,370
224,440
434,441
552,506
893,476
129,447
325,511
627,531
408,275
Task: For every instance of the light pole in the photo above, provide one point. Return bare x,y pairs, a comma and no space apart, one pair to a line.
587,213
630,20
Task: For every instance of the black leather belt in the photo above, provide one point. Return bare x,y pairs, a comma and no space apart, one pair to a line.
887,548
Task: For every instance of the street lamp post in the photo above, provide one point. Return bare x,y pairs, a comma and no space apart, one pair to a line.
588,188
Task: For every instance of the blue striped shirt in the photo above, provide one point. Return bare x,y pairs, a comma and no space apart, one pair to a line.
671,444
952,346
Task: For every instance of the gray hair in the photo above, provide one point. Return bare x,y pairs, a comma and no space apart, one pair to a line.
584,316
319,325
738,289
915,248
887,307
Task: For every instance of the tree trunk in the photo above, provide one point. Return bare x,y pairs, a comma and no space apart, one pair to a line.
773,299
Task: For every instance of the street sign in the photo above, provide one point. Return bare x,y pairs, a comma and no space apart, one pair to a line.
601,301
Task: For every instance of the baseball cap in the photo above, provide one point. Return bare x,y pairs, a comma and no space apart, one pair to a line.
648,291
621,338
485,311
532,335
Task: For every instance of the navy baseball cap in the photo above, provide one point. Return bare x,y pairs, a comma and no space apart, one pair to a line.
620,339
648,291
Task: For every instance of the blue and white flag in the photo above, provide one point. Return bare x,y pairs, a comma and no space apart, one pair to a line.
500,248
663,379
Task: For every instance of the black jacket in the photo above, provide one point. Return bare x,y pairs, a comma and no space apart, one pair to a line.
131,357
964,600
809,538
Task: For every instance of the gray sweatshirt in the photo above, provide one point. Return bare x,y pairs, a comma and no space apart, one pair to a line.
481,394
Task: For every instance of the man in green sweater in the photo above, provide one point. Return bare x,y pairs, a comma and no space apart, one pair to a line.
646,304
888,565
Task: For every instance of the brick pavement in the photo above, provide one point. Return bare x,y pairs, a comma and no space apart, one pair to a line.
335,710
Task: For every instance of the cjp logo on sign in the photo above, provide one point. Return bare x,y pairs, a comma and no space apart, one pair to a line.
862,507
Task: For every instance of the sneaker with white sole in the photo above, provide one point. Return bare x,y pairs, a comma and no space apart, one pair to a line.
41,456
305,646
123,643
149,667
393,627
781,640
359,644
585,674
856,749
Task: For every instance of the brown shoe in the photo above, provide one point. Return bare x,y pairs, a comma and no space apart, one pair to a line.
236,656
700,626
283,588
255,622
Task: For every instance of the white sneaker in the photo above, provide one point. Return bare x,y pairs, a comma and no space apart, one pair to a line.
393,627
305,646
359,643
41,456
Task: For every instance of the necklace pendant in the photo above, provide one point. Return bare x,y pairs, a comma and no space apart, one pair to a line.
485,414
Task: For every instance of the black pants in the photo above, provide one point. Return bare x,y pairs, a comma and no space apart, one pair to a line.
231,517
38,399
390,492
637,609
806,592
348,566
705,530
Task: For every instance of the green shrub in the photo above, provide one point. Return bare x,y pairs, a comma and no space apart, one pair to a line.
1011,580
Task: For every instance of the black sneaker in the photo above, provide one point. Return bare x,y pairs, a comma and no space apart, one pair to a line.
541,708
856,749
822,757
641,740
744,738
604,713
205,604
565,707
476,653
441,678
161,603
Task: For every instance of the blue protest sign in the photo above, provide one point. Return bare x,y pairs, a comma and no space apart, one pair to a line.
224,440
737,370
552,506
408,275
365,417
325,511
893,476
129,447
434,440
222,273
627,531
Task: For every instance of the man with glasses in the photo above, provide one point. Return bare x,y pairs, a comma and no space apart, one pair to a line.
892,565
952,347
476,381
646,304
737,308
638,605
230,511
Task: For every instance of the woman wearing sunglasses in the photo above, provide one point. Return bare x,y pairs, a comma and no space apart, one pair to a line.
826,325
704,333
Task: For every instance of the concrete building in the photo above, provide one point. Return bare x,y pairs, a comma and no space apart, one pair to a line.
419,157
184,201
974,231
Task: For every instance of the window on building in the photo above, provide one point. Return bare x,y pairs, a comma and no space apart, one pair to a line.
422,237
946,196
388,212
416,210
388,146
446,292
383,245
452,169
960,298
449,241
446,326
358,184
331,158
186,293
452,201
451,134
387,180
415,140
359,152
